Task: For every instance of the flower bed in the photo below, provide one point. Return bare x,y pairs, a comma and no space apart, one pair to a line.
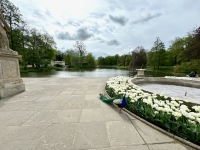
172,114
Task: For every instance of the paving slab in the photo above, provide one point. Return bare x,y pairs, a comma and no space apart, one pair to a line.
91,135
58,136
149,134
42,117
123,133
167,146
135,147
91,115
66,116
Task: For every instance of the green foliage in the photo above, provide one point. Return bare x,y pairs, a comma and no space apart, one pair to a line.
41,69
187,67
139,58
89,60
35,47
116,60
157,54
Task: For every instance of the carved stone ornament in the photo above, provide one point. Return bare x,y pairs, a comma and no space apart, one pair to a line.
4,42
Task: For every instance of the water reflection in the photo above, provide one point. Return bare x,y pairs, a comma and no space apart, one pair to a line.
78,73
97,72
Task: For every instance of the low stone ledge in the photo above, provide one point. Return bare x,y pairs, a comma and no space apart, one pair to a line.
172,81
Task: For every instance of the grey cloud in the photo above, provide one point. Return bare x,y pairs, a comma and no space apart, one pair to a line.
146,18
73,23
97,15
57,23
65,36
99,39
38,14
48,13
121,20
113,42
82,34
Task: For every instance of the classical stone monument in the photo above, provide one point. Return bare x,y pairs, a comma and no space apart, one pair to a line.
10,81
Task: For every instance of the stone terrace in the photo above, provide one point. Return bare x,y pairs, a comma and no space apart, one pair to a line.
67,114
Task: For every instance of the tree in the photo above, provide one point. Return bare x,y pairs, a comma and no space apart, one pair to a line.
90,60
157,54
175,51
13,17
101,61
81,49
139,58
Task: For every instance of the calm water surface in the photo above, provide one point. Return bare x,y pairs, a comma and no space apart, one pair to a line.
77,73
98,72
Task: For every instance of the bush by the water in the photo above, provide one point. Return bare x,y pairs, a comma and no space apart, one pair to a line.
187,67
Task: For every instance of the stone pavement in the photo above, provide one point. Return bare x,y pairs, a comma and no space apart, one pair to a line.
66,113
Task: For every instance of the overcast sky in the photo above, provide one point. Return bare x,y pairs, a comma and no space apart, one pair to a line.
109,27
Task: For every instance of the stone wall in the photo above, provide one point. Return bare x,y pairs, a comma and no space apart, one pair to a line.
10,81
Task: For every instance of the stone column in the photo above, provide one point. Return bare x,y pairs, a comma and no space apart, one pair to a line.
140,72
10,81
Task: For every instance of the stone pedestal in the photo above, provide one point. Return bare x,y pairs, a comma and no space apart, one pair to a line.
10,81
140,72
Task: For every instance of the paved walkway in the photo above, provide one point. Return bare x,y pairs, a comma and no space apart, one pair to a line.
62,114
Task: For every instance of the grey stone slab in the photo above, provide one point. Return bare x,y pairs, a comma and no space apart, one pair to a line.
114,115
90,104
34,106
149,134
135,147
46,98
58,136
123,133
17,118
12,106
42,117
90,115
91,135
68,92
62,98
92,87
4,114
93,92
92,97
18,145
167,146
77,97
54,105
71,115
27,132
29,98
79,92
74,104
6,131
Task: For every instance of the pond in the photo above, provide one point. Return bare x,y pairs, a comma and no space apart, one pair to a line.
97,72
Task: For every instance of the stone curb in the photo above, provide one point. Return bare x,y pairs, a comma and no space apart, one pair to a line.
163,131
